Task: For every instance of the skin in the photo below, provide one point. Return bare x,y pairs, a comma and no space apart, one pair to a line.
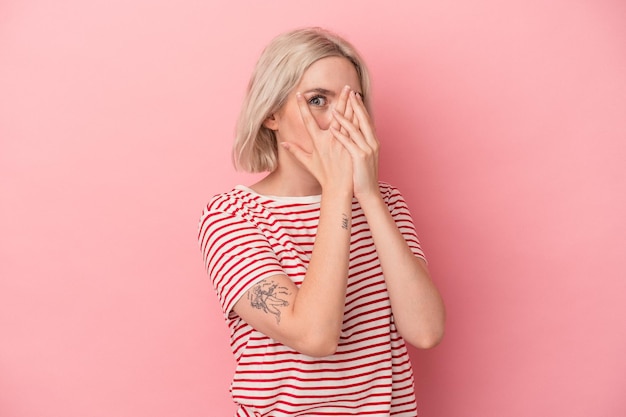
329,147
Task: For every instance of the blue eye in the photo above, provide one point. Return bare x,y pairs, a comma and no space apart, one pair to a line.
318,101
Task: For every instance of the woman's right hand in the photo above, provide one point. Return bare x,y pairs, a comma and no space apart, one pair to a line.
329,161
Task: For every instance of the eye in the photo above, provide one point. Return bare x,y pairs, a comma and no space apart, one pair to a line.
318,101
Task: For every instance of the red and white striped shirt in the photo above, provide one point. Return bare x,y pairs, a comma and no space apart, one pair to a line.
245,238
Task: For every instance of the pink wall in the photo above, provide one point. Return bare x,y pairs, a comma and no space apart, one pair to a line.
504,123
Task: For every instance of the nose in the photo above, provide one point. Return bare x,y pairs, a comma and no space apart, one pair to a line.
323,120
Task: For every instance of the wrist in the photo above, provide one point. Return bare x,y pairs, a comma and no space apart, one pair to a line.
371,202
369,197
334,190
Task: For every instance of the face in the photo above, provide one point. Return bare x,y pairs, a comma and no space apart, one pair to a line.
320,86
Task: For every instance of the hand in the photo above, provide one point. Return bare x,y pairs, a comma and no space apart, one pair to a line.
329,161
358,136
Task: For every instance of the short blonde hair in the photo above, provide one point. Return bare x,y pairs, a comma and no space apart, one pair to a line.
278,71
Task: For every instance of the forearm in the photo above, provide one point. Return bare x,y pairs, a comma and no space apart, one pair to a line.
417,306
320,301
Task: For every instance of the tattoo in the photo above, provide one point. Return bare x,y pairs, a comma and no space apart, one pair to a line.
344,221
266,296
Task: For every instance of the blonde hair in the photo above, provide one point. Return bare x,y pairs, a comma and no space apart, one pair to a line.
278,71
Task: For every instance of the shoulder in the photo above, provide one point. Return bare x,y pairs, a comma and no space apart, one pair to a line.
237,202
393,198
236,210
224,201
385,188
388,191
230,217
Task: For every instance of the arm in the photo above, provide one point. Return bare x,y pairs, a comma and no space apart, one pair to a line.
309,319
417,306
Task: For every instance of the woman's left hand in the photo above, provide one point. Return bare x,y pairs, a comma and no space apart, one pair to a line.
358,135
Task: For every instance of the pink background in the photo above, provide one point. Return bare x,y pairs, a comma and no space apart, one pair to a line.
504,124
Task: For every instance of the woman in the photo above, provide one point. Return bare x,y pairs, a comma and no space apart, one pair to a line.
317,266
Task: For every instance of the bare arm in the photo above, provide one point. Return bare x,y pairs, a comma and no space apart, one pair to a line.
309,319
417,306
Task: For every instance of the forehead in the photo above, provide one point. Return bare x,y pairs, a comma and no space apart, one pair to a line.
331,73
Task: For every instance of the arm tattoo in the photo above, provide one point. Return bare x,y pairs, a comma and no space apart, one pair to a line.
344,221
268,296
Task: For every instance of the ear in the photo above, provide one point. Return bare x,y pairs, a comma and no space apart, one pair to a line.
271,122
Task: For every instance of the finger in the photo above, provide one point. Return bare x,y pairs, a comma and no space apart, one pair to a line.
352,131
298,153
352,116
352,148
364,121
308,119
348,114
341,104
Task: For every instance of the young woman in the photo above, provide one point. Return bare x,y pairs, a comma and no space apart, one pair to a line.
317,266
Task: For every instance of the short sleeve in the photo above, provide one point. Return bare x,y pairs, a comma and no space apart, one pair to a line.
402,216
236,255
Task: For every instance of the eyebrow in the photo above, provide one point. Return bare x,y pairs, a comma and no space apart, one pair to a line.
326,92
320,91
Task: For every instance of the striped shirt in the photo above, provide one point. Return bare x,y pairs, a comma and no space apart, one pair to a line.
245,238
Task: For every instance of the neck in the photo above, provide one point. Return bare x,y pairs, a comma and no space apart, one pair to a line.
289,179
